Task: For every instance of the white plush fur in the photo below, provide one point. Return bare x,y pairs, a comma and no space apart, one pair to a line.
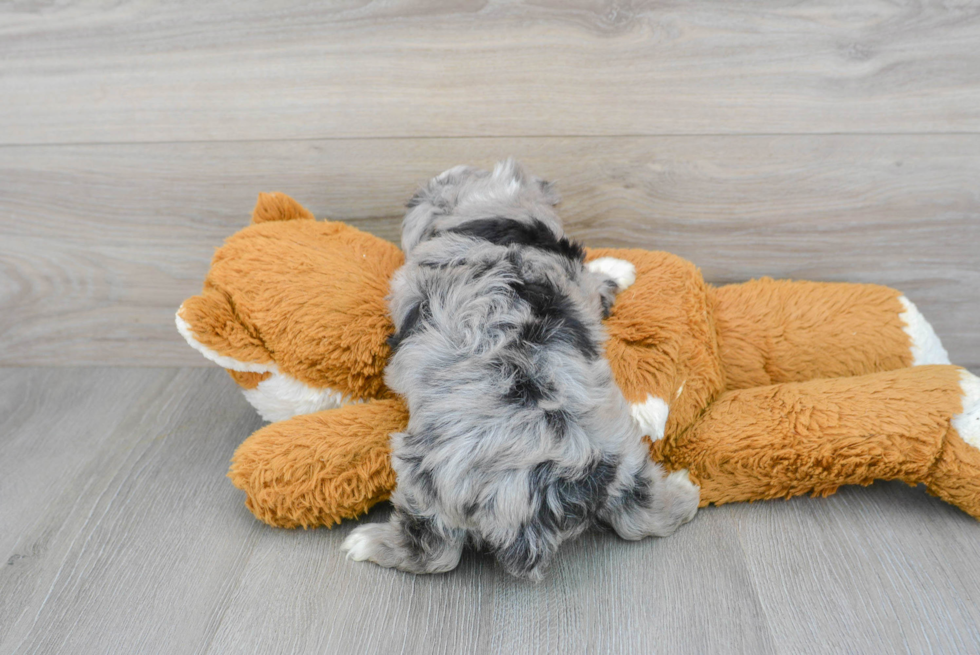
967,422
651,416
926,347
278,397
224,362
620,270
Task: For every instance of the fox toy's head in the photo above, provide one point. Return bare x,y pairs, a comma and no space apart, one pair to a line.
294,309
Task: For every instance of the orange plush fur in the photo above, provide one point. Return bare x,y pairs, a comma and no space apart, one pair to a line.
774,388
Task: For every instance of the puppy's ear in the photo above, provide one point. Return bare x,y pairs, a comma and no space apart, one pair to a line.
548,192
512,171
436,198
438,191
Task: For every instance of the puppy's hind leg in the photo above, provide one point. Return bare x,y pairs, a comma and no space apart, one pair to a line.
416,544
651,504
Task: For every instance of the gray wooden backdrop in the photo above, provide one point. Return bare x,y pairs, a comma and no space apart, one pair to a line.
824,140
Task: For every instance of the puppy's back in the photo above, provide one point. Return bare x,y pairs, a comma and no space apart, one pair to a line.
499,358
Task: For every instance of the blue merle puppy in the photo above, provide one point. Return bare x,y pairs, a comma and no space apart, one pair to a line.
519,439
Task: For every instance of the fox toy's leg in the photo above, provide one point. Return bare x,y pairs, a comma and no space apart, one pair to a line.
772,331
317,469
919,425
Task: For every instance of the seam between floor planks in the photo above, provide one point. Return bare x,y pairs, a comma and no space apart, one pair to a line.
479,137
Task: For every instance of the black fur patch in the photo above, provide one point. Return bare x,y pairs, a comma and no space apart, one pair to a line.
565,502
525,389
525,553
417,315
508,232
577,499
423,478
607,297
638,494
554,317
574,501
557,421
420,537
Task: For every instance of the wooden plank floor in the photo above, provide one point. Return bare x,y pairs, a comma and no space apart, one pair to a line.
120,534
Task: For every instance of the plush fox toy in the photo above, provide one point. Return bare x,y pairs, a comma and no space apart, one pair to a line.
767,389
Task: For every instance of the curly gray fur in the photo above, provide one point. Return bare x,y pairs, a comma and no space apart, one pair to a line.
519,438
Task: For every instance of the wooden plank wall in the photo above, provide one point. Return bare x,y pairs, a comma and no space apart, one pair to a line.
823,140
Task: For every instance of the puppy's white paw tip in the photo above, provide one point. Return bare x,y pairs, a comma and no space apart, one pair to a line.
681,478
621,271
357,546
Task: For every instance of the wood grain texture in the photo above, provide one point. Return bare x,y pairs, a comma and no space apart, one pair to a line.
882,566
49,438
102,243
120,534
602,596
181,71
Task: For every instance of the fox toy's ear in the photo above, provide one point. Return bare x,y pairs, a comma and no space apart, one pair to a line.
278,207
